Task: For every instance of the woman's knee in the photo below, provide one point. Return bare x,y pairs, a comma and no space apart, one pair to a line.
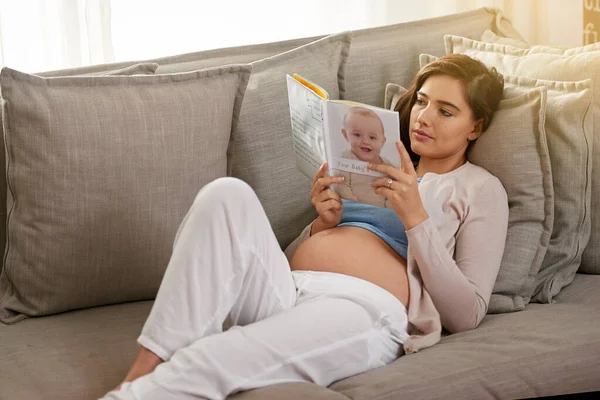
225,189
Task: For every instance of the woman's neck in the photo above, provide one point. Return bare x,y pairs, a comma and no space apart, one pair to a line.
438,166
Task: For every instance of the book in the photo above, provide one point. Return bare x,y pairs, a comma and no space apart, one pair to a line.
348,135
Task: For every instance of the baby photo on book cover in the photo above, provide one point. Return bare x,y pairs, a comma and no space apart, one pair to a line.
360,135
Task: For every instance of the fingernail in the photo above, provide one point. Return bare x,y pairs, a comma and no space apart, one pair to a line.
399,142
369,165
341,178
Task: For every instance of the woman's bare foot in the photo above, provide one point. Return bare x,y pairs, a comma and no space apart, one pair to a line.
145,363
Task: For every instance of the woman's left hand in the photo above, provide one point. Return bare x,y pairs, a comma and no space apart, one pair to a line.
403,191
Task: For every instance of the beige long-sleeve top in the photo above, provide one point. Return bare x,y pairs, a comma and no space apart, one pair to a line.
454,255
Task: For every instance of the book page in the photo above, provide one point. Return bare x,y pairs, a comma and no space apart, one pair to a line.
356,135
307,127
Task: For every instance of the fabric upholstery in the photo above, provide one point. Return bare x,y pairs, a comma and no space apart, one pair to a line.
377,55
515,149
142,68
391,53
590,260
490,37
546,349
146,68
574,118
101,172
263,148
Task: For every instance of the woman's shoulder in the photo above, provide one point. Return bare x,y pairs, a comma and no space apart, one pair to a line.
482,182
470,180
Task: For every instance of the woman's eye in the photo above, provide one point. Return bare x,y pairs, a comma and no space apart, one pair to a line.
420,102
445,113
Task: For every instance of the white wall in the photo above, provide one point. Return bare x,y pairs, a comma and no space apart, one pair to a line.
549,22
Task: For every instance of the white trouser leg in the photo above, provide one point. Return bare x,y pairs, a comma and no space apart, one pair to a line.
340,326
226,260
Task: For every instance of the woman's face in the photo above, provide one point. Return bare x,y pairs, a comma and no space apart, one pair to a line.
441,121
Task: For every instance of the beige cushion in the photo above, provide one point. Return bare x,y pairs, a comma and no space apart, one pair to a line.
490,37
590,260
574,117
101,172
141,68
263,150
514,149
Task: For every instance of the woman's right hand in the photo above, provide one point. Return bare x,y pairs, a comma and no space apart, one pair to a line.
327,203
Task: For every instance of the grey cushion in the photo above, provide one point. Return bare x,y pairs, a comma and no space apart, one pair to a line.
572,118
101,172
141,68
546,349
514,149
263,147
239,54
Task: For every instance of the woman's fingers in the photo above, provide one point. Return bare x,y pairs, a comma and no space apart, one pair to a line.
326,206
406,162
324,196
388,170
393,172
320,173
404,180
323,183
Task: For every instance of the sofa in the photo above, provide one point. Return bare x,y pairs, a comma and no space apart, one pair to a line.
103,162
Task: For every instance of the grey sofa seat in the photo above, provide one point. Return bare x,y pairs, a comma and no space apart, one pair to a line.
545,349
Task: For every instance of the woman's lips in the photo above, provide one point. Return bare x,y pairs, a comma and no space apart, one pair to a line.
365,149
421,135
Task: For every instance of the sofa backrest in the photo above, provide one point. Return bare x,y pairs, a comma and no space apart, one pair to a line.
377,56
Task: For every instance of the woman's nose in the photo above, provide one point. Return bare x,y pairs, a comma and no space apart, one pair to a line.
424,117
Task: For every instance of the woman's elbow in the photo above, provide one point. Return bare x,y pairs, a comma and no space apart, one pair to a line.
460,326
464,322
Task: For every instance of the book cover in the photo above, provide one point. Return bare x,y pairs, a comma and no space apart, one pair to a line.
348,135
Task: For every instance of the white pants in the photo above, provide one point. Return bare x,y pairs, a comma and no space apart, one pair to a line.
287,326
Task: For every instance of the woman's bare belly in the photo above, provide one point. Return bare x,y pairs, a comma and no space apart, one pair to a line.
354,251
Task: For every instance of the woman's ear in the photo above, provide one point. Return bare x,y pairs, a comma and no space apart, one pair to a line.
477,130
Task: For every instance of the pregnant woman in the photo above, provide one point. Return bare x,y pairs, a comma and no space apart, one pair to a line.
361,285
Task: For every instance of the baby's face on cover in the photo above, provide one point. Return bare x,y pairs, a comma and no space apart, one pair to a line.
364,132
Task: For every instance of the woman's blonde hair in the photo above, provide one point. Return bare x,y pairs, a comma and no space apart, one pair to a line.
483,88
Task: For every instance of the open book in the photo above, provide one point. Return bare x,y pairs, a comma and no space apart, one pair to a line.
348,135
